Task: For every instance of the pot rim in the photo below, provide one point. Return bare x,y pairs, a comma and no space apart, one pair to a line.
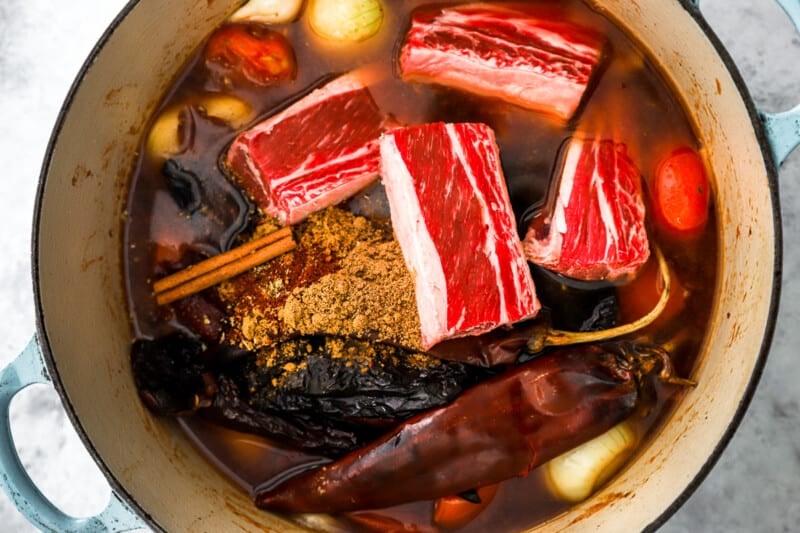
41,330
769,329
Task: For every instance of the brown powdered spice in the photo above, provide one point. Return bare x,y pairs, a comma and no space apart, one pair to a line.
370,297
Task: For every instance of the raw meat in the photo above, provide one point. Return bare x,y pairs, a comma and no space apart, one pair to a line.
452,216
316,153
595,229
527,55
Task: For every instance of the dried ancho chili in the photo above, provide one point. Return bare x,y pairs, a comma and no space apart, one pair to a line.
231,409
326,395
170,374
330,395
352,380
576,305
215,209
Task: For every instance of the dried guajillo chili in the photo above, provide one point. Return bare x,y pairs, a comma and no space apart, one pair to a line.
497,430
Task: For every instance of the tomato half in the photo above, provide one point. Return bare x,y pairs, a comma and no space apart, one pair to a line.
681,193
453,512
251,52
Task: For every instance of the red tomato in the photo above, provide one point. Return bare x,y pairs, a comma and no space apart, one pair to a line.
681,194
251,51
453,512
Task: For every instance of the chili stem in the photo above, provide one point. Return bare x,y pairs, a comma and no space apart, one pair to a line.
554,337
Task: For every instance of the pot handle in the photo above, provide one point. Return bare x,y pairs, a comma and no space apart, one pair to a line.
29,369
783,129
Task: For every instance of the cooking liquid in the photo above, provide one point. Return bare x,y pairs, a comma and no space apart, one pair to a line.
629,102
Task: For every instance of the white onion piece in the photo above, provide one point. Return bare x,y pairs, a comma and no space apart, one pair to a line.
229,109
575,475
345,20
268,11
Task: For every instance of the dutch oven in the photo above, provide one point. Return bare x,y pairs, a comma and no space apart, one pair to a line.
82,336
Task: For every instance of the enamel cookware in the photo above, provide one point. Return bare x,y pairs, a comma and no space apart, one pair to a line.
81,344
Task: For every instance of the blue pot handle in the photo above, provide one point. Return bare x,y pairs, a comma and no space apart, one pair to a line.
29,369
783,129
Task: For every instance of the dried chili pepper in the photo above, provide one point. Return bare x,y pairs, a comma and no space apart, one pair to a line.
352,381
301,432
331,395
497,430
171,377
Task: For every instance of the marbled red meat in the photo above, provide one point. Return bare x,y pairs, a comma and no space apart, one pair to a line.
316,153
452,216
595,228
528,55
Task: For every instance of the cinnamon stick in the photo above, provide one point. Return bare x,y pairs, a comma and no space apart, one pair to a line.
218,261
222,267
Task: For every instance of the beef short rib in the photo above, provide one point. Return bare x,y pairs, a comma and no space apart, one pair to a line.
528,55
452,216
316,153
594,229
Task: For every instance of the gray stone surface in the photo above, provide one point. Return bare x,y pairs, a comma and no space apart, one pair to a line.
756,483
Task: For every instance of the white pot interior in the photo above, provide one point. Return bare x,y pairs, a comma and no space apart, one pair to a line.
84,318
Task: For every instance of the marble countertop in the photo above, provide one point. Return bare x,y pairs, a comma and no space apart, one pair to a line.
755,486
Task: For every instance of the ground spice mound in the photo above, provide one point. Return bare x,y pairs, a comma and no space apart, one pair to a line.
370,297
338,232
328,242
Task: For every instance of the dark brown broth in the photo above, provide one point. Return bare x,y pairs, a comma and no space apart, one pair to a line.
629,101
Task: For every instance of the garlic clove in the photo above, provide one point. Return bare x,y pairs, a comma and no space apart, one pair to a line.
268,11
168,134
575,475
229,109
